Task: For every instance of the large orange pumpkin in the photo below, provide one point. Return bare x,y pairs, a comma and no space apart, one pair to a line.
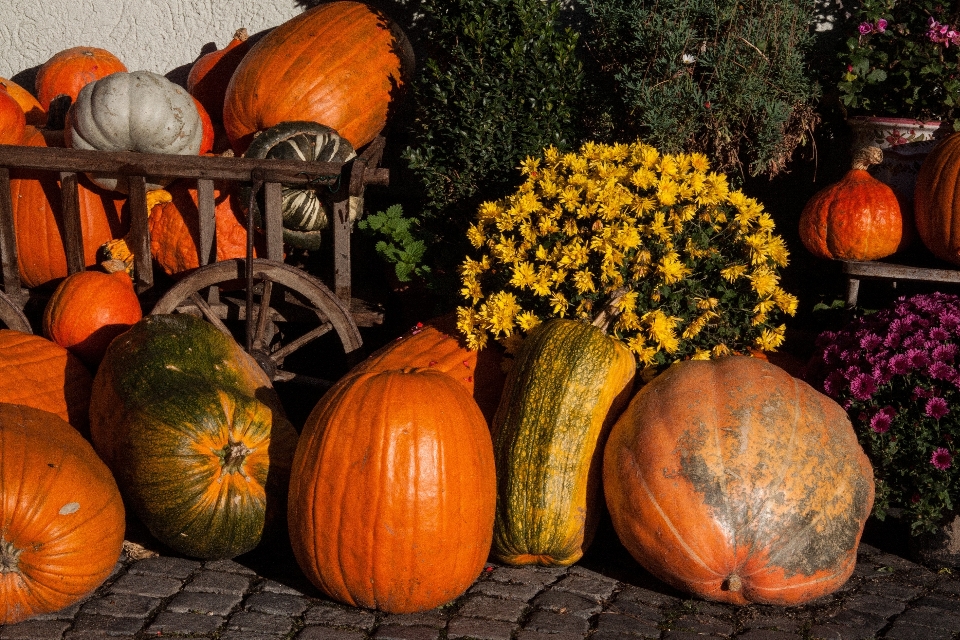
61,515
39,373
175,228
68,71
339,64
36,115
736,482
211,73
935,200
12,119
393,490
38,219
856,218
88,310
437,344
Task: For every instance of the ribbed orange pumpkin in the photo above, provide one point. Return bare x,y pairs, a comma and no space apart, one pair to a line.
12,119
857,218
88,310
736,482
393,491
36,115
175,228
39,373
211,73
437,344
61,515
339,64
206,143
38,221
935,200
68,71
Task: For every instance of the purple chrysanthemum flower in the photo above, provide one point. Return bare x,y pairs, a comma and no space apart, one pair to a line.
950,321
882,373
941,459
881,421
920,392
939,334
900,364
936,408
918,358
941,371
863,386
945,352
871,342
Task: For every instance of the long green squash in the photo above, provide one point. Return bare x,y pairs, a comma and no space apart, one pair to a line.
194,434
567,386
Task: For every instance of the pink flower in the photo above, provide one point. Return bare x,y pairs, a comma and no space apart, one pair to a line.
881,26
941,459
865,28
936,408
880,422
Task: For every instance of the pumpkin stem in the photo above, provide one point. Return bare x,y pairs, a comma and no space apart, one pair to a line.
733,583
241,34
610,310
866,156
9,557
232,456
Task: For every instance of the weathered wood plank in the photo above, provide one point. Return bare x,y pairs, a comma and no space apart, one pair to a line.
206,210
273,219
341,248
887,271
72,231
8,243
139,232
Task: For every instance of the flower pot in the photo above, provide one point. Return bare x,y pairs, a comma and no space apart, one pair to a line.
905,143
938,550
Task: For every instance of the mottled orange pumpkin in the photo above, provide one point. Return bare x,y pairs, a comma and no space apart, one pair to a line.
935,200
738,483
856,218
36,115
88,310
68,71
38,219
339,64
175,228
393,490
39,373
61,515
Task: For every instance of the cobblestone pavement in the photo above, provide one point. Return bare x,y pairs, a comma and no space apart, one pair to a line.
606,596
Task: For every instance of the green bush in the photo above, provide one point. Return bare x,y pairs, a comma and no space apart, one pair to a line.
728,78
498,80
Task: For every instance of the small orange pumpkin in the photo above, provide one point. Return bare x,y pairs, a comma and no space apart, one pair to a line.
36,115
211,73
736,482
68,71
12,119
935,200
857,218
88,310
39,373
392,507
62,516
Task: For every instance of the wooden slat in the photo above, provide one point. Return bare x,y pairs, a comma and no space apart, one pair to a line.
341,248
8,243
887,271
139,232
206,207
72,232
273,217
128,163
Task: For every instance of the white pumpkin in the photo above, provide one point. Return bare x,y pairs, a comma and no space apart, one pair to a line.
137,111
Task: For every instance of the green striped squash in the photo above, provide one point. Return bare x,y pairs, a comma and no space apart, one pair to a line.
305,210
195,435
567,386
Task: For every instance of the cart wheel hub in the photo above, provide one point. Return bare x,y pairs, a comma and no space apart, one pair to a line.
266,362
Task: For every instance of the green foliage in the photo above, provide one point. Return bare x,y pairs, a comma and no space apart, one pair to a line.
499,82
724,77
399,248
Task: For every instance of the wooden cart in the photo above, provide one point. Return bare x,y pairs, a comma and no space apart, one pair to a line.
257,300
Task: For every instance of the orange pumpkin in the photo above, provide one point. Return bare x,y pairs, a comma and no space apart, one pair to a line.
935,200
738,483
438,344
211,73
38,219
62,516
88,310
39,373
857,218
393,490
339,64
175,228
206,142
68,71
36,115
12,119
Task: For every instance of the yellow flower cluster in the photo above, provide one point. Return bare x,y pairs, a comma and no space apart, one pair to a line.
685,266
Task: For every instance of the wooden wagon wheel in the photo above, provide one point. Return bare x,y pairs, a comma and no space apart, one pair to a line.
290,309
12,317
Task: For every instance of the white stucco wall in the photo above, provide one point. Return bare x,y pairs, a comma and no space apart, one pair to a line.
151,35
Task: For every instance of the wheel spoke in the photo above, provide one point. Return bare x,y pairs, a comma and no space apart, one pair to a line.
209,313
263,315
281,353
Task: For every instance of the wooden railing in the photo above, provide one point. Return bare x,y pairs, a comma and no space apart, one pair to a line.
346,182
